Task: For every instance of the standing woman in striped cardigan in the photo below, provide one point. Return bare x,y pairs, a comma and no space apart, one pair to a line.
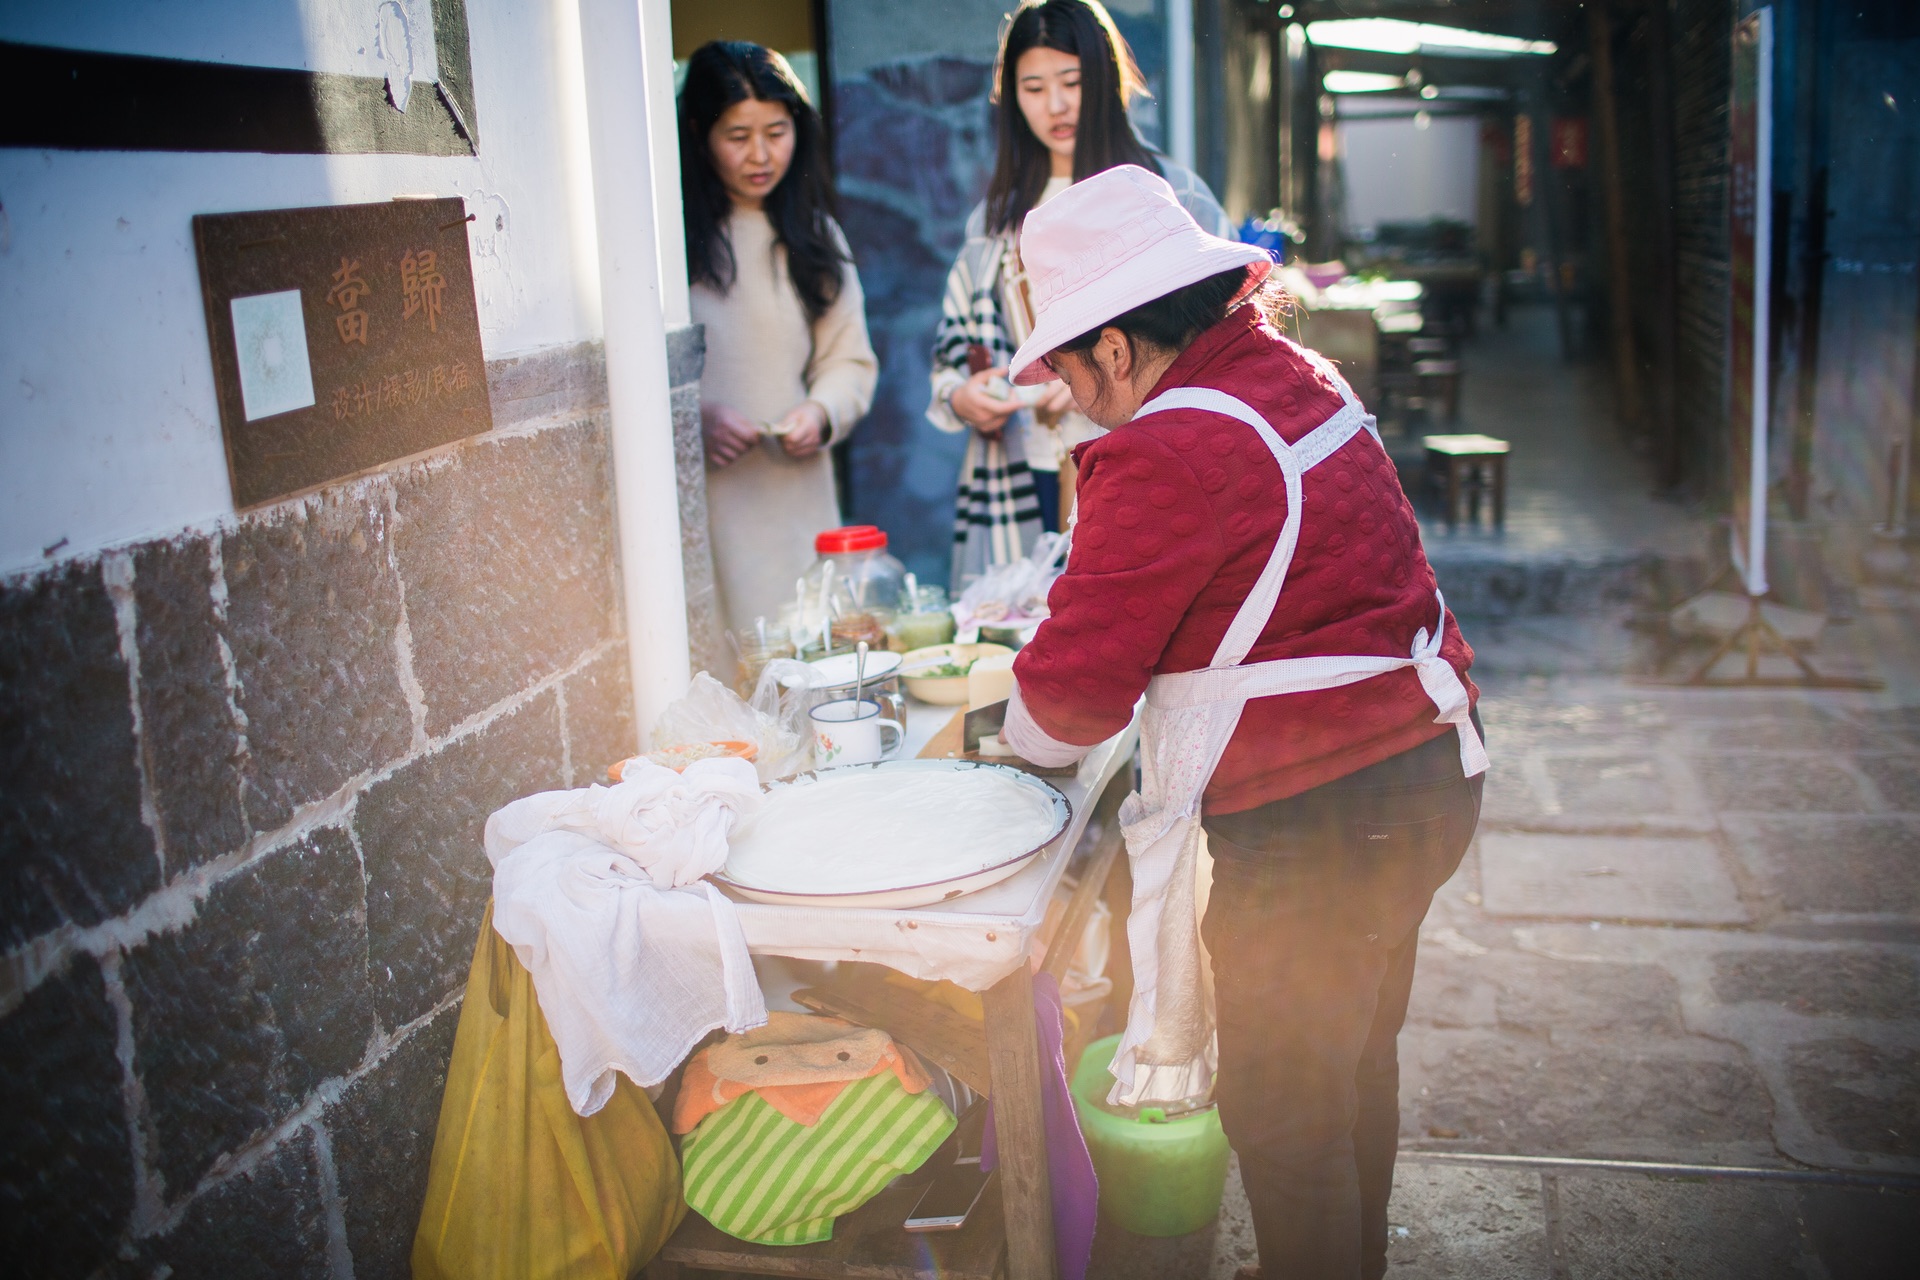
1062,85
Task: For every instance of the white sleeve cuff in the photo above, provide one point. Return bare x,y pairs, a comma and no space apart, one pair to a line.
1032,743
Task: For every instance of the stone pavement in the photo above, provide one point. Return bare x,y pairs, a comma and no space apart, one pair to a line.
1688,932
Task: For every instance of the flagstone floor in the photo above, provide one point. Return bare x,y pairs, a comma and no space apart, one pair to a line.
1688,932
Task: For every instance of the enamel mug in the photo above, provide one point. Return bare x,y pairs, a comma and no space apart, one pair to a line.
850,732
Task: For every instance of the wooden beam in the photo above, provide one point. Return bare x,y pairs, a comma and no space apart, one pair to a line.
1669,457
1020,1126
1626,372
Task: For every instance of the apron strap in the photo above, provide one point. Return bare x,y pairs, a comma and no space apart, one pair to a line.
1294,460
1441,682
1347,397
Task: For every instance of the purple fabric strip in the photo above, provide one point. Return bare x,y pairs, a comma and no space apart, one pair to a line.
1076,1191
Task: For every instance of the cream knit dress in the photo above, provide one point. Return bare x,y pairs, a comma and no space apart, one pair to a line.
763,359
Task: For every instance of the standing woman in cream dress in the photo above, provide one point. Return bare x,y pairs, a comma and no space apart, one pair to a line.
789,368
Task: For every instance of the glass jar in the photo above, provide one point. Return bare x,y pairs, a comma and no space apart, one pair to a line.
864,578
756,649
924,619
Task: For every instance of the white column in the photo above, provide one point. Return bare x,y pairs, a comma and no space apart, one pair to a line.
619,139
1180,81
656,22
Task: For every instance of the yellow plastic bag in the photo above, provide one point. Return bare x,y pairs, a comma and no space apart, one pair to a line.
520,1187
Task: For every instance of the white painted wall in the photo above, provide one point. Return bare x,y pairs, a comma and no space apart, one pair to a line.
109,430
1397,172
306,35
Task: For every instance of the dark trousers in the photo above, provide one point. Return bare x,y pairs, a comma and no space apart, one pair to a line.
1046,491
1312,925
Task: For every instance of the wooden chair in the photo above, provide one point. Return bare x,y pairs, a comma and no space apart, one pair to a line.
1466,466
1439,380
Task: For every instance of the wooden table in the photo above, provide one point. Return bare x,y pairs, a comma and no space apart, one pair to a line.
1011,1236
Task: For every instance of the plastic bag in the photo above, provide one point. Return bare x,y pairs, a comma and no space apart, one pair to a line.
711,712
520,1187
1016,591
784,696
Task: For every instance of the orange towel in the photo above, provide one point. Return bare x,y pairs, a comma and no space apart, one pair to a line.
798,1062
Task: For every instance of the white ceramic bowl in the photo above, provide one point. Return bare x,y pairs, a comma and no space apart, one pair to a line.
944,691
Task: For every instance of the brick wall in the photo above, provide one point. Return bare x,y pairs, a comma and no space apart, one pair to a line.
243,775
1702,80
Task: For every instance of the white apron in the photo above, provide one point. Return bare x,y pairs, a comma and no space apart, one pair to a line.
1168,1053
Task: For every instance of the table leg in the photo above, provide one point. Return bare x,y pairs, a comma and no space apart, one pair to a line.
1453,490
1013,1056
1500,491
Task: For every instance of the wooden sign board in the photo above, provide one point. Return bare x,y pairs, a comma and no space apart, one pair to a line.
343,338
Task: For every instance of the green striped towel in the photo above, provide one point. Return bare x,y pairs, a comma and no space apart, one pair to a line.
759,1176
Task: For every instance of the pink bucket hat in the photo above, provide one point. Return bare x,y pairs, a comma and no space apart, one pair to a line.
1106,245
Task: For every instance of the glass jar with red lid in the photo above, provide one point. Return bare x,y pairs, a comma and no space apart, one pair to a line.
864,581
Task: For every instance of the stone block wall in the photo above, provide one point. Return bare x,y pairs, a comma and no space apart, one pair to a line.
243,775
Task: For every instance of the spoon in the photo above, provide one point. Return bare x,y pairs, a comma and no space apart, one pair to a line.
859,674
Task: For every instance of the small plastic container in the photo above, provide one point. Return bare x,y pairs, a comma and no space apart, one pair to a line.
1158,1176
865,578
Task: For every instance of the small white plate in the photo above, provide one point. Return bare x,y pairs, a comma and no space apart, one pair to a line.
842,669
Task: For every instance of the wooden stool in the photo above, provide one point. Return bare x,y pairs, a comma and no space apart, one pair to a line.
1467,465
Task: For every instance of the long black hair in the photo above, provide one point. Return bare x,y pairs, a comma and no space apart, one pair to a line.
721,73
1109,80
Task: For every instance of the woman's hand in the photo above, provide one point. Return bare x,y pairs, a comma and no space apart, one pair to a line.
729,434
803,431
979,408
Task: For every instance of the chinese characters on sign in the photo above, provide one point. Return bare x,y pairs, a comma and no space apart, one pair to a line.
373,306
421,285
413,386
1569,142
348,289
1523,160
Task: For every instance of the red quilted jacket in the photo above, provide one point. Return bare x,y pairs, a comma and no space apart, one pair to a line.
1178,514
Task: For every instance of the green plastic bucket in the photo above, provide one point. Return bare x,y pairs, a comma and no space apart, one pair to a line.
1158,1177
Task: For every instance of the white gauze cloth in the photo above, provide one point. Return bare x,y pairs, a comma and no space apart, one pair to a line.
597,892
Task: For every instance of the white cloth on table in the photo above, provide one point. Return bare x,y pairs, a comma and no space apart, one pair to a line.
631,971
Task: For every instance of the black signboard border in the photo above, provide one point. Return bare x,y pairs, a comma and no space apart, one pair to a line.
76,100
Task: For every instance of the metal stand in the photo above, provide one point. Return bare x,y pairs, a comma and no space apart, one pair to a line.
1756,634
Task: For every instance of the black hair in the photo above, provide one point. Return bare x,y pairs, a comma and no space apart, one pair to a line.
801,207
1173,320
1109,79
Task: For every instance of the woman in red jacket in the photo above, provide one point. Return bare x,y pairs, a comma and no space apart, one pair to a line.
1245,558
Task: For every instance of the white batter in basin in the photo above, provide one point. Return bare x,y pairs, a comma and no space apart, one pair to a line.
901,833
